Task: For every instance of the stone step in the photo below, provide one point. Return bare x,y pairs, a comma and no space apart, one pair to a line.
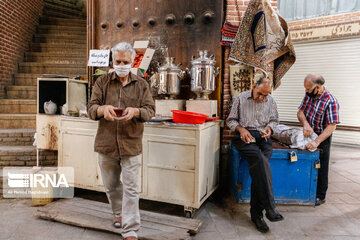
61,36
62,6
59,14
59,58
60,51
62,30
56,47
69,4
61,10
58,38
65,47
46,47
48,68
17,106
25,77
51,65
25,156
17,137
26,81
59,71
69,55
61,1
62,22
53,60
31,79
21,92
11,121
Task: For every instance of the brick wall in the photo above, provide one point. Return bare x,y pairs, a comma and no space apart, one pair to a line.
325,20
233,15
28,158
18,20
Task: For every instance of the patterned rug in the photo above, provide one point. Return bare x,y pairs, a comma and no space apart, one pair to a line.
228,33
240,78
263,41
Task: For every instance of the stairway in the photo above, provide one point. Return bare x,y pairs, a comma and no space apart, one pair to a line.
58,47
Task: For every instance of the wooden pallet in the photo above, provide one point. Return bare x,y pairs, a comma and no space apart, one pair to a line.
98,216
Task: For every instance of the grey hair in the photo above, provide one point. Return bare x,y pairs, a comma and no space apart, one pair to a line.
261,80
315,78
123,47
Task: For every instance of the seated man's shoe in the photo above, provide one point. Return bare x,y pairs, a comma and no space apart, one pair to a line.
273,215
260,224
319,201
130,238
117,222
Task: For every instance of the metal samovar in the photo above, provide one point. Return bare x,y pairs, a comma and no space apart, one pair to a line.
203,74
170,76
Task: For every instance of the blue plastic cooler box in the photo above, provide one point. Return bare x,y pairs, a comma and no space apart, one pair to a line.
293,182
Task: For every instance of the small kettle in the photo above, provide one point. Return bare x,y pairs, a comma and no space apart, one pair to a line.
50,107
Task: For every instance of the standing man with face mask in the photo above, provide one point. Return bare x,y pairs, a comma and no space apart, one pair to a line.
319,113
119,142
253,117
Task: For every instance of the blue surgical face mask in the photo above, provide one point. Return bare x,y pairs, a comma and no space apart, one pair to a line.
122,70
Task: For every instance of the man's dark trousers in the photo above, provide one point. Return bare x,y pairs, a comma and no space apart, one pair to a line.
258,155
323,172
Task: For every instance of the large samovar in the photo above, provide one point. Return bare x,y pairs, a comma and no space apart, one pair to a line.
203,75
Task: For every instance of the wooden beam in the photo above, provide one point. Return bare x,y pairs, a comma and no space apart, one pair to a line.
98,216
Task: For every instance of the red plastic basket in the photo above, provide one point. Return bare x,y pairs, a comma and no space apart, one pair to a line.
188,117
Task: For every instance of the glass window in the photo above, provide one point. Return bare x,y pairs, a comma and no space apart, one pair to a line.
293,10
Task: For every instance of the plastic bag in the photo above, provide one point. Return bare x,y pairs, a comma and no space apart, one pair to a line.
292,136
81,107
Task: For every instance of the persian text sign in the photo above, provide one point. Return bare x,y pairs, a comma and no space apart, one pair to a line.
337,30
99,58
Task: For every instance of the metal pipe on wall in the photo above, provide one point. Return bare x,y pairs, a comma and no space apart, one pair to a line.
92,35
88,17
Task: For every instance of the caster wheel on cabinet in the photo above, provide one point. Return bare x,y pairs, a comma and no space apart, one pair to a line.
188,214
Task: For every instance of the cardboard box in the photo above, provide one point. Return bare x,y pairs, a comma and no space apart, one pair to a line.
207,107
164,107
141,47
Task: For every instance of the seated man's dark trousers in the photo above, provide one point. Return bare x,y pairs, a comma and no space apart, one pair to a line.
258,155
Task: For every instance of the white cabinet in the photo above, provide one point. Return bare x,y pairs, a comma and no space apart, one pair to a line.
76,149
47,131
181,163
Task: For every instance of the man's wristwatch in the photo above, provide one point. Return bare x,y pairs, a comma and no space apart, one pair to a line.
317,141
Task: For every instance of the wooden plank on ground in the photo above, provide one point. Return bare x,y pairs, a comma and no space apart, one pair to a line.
98,216
192,225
